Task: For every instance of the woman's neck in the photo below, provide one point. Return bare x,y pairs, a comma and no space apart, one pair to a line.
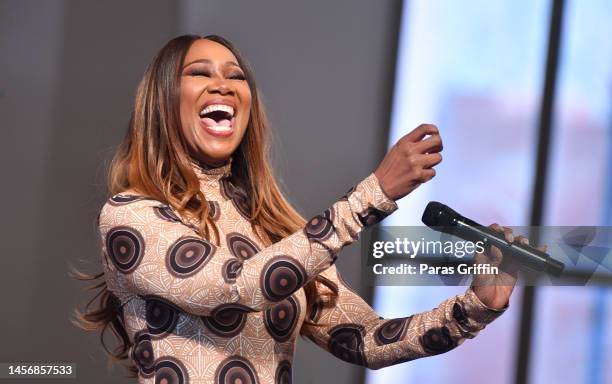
213,165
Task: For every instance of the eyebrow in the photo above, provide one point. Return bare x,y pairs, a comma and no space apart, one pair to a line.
227,63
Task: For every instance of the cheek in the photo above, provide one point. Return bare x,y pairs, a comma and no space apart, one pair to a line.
246,99
187,105
185,121
189,92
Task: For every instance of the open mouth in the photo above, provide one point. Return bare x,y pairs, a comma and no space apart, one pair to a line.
218,117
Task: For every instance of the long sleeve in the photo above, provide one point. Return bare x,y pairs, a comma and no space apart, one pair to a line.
352,331
149,251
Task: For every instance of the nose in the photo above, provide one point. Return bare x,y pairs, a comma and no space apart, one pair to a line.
220,86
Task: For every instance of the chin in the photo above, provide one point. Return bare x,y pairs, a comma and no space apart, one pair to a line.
215,155
213,148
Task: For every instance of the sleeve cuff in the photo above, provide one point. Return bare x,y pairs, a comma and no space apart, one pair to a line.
477,312
379,198
369,203
471,315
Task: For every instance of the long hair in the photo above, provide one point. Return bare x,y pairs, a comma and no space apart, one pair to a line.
153,160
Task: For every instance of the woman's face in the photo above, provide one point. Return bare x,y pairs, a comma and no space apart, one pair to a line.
215,102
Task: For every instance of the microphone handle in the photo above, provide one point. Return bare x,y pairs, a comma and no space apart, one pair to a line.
525,254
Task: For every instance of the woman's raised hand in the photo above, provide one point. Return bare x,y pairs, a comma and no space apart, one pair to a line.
410,161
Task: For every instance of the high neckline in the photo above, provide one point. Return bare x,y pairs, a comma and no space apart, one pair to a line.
205,171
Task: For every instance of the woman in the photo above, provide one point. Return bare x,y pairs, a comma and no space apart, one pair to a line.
210,274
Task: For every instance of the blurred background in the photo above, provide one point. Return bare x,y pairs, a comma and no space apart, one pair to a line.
520,89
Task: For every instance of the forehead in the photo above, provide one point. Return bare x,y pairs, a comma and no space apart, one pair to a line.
209,50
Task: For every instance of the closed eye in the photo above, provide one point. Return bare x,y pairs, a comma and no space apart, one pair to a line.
199,73
237,76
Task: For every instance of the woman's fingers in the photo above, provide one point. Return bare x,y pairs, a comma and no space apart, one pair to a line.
543,248
419,132
429,160
432,144
427,174
508,235
522,240
495,253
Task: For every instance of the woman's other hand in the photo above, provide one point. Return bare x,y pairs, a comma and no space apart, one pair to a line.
494,290
410,161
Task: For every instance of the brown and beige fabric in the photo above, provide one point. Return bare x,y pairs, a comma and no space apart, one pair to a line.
201,313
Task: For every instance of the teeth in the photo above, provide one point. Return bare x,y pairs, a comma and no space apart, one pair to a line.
218,107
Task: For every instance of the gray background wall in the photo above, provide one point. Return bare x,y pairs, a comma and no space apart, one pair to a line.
68,73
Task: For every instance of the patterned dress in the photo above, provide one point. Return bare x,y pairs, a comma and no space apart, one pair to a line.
230,313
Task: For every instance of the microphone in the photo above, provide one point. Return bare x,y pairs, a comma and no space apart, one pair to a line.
441,218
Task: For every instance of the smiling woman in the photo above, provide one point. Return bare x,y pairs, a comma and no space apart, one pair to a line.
215,102
209,274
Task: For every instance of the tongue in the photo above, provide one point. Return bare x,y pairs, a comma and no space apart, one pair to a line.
210,122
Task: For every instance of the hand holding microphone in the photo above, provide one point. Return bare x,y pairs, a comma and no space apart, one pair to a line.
493,290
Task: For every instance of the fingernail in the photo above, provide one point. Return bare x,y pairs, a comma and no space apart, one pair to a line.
524,241
511,238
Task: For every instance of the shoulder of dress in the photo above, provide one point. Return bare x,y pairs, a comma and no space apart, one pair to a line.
129,197
127,201
129,205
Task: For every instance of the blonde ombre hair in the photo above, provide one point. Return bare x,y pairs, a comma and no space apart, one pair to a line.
153,161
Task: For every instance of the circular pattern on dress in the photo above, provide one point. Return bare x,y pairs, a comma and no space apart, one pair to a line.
371,216
460,315
281,277
213,210
241,246
187,255
437,340
321,226
142,354
392,330
346,343
238,197
231,270
281,319
164,212
161,316
169,370
125,247
236,370
121,199
227,320
283,373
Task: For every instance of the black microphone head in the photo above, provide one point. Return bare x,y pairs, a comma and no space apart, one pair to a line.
439,215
